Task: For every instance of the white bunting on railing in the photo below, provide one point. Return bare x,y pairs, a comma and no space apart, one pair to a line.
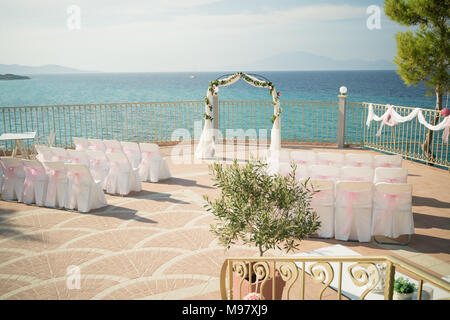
392,118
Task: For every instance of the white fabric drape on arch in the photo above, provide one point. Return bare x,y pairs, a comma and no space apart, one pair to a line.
206,147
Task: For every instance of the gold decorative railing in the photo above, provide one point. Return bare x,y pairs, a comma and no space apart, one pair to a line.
299,276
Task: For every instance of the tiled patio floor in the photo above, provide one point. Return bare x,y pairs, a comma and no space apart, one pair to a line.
156,244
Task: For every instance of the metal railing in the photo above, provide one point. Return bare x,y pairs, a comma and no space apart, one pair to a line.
292,278
405,139
311,122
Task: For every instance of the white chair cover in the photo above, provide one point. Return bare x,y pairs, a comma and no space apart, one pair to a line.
35,184
358,160
391,175
392,210
302,172
324,172
362,174
353,212
57,184
78,157
331,159
81,144
13,178
98,165
387,161
60,154
122,178
153,166
323,203
133,153
44,153
112,146
96,145
83,193
304,157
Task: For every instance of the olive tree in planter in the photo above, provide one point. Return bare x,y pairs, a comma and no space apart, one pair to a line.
259,209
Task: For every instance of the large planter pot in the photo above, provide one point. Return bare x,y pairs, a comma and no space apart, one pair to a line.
256,287
403,296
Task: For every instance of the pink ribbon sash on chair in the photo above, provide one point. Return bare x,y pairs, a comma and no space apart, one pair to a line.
112,150
391,203
53,181
11,171
393,180
350,199
31,175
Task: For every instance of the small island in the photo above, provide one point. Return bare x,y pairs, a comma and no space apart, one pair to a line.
10,76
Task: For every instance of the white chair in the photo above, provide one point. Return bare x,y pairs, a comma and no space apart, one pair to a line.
44,153
353,211
112,146
98,165
133,153
324,172
153,166
323,203
331,159
81,143
78,157
358,160
13,178
304,157
387,161
57,184
121,178
392,211
391,175
96,145
35,184
83,193
302,172
362,174
59,154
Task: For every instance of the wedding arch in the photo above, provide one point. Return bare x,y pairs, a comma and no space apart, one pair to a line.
206,147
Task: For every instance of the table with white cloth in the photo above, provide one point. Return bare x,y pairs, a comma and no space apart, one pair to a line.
19,145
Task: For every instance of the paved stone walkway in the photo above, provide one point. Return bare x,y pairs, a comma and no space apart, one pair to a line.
156,244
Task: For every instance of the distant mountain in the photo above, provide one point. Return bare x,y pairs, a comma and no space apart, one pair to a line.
290,61
49,69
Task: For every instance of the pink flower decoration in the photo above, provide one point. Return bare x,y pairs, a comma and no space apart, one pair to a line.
279,93
253,296
445,112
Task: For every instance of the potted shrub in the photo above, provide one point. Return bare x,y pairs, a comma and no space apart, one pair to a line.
262,210
403,289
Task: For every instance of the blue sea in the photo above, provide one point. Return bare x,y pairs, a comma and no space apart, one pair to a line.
385,87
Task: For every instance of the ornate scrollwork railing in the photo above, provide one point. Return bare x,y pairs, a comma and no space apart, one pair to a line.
371,277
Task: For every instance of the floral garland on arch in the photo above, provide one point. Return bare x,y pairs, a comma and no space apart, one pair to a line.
214,89
392,118
206,148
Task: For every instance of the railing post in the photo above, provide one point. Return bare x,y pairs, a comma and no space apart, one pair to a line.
215,113
341,125
389,281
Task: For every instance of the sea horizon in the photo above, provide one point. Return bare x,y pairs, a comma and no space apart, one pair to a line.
376,86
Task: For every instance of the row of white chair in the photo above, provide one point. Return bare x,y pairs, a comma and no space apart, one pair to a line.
362,210
137,153
112,170
337,159
50,184
324,172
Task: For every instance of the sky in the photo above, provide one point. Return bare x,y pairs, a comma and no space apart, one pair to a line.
187,35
